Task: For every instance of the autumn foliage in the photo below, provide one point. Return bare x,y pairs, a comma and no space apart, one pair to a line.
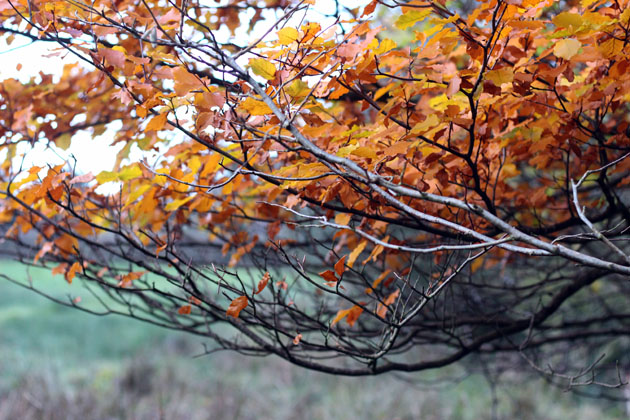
394,187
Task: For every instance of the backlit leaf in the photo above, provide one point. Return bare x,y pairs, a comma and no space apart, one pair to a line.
567,48
412,17
287,36
263,68
500,76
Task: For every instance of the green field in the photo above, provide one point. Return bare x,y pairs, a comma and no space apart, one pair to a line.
59,363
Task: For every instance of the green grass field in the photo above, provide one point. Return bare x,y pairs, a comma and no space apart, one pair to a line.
59,363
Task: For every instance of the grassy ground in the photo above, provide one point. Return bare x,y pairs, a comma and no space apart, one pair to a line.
58,363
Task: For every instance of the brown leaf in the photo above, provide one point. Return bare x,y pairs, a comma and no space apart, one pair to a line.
340,266
237,306
263,283
329,275
72,271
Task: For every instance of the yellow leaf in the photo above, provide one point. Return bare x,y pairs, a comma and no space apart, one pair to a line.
500,76
386,45
346,150
365,152
567,48
342,218
263,68
287,36
129,172
611,47
355,253
297,89
63,141
254,107
430,122
137,192
411,18
175,204
194,164
106,176
571,21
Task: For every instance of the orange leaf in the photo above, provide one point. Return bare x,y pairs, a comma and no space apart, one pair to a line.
378,281
297,339
369,8
351,315
381,311
340,266
157,123
184,310
72,271
356,252
329,275
237,306
127,279
160,249
184,81
45,249
61,268
263,283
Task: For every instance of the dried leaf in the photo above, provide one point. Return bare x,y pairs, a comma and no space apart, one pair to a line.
340,266
184,310
567,48
263,283
356,252
237,306
329,275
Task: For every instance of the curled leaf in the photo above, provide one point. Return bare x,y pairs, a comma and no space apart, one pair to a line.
237,306
263,283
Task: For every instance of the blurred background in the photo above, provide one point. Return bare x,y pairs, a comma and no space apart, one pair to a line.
60,363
